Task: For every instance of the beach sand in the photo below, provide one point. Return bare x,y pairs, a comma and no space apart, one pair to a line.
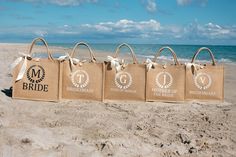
133,129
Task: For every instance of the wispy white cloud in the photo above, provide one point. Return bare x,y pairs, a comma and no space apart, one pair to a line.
125,26
151,5
187,2
41,33
210,30
61,2
215,30
150,31
183,2
2,8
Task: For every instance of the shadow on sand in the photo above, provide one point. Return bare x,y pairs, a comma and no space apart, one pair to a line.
7,92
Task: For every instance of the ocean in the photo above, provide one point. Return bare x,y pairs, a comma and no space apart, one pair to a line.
225,54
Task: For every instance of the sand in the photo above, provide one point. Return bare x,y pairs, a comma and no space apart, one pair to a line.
133,129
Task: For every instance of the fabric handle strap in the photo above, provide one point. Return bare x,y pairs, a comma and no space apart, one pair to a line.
172,52
131,50
45,44
93,59
208,50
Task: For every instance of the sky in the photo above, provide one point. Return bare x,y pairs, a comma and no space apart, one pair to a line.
210,22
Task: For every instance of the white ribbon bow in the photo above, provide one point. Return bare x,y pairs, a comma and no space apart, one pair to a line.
150,64
62,58
114,63
73,61
195,66
23,67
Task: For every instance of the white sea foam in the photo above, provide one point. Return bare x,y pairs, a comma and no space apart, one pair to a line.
185,60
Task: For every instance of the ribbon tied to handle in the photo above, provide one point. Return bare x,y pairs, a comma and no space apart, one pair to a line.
195,66
73,61
150,64
25,57
115,63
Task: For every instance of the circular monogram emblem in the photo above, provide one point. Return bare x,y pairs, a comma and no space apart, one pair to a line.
80,78
123,80
164,80
35,73
202,81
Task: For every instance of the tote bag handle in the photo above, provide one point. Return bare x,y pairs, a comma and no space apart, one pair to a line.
93,59
44,43
172,52
131,50
208,50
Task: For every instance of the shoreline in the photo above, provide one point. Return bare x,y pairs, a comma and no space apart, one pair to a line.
116,43
100,53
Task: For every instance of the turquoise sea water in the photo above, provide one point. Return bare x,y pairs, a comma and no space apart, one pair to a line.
224,54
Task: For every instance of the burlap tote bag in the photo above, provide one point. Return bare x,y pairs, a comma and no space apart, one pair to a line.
82,79
204,81
36,78
124,81
165,82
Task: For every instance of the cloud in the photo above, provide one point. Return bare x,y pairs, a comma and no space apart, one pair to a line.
61,2
152,31
209,33
126,27
21,17
41,33
151,6
149,31
3,8
188,2
215,30
183,2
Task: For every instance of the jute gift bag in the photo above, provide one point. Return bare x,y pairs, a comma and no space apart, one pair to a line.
124,81
82,79
36,78
204,82
165,82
